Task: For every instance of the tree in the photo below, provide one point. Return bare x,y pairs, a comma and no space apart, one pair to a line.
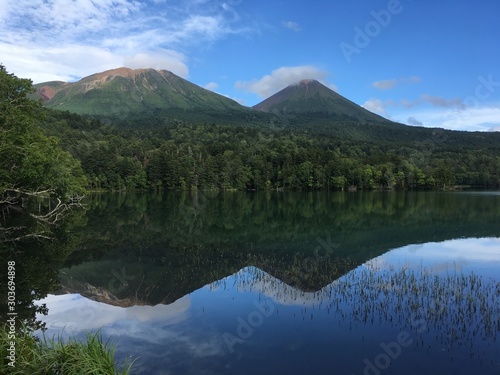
32,164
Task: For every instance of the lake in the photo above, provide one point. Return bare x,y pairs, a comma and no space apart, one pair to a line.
280,282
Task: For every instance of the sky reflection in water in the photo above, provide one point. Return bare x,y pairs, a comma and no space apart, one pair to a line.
444,296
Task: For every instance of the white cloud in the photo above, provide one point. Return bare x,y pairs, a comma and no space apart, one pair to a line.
4,12
65,63
388,84
495,129
69,63
413,121
378,106
291,25
69,39
166,59
385,84
439,101
202,26
375,106
65,18
436,101
437,111
280,78
212,86
470,119
143,40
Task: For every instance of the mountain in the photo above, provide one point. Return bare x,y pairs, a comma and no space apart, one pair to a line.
149,98
309,106
310,96
123,91
146,93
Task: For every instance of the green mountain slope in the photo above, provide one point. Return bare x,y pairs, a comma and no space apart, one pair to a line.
147,98
310,96
122,91
309,106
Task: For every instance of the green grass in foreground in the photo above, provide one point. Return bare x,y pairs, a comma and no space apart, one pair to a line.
50,356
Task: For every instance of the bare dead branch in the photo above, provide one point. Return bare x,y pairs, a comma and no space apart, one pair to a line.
37,236
11,229
11,234
32,193
45,219
58,212
8,200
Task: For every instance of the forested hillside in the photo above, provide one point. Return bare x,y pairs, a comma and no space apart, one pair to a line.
325,142
172,154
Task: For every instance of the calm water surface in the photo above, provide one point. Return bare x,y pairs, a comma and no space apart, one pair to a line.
286,283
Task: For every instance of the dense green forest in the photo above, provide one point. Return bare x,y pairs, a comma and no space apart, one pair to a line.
48,150
175,154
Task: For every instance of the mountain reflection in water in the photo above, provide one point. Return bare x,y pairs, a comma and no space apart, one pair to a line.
444,296
246,283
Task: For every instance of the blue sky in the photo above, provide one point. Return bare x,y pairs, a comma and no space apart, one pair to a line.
419,62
